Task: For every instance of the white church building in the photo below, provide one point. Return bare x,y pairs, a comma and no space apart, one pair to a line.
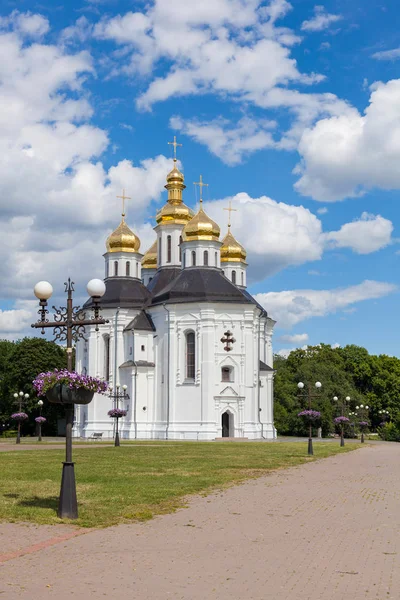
193,347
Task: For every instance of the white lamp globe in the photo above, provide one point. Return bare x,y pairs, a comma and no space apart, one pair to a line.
43,290
16,396
118,386
367,408
124,387
300,385
335,398
40,402
96,288
348,399
26,396
318,385
21,394
361,405
357,407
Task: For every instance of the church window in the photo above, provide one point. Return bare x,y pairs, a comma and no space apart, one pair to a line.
115,268
205,258
180,248
168,248
107,268
193,258
242,278
184,259
227,374
216,259
128,268
159,251
190,355
107,357
142,348
137,270
233,276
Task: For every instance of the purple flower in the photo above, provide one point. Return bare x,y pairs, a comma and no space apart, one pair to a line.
21,416
40,419
312,415
46,381
117,413
363,423
342,420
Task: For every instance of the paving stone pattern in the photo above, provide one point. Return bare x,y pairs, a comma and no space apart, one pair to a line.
326,530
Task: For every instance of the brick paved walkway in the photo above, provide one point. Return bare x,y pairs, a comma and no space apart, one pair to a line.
326,530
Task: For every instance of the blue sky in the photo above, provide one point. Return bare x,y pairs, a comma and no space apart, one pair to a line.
289,109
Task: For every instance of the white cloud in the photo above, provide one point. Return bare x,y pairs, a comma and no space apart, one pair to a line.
346,155
229,143
365,235
26,24
297,338
291,307
393,54
322,211
320,21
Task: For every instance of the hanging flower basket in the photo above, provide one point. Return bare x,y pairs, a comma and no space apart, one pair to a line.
363,424
20,416
342,420
117,413
41,420
310,415
68,387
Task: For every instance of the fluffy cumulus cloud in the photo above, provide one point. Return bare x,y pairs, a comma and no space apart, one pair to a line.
321,20
297,338
393,54
291,307
346,155
365,235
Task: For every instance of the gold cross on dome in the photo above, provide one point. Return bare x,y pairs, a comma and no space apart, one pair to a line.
201,185
230,209
174,144
123,198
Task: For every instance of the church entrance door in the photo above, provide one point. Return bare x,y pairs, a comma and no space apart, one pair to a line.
225,424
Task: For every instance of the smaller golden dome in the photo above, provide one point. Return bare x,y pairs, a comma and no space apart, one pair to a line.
123,239
175,176
174,213
231,250
149,260
201,227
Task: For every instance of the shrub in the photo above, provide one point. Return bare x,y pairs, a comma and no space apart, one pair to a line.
389,432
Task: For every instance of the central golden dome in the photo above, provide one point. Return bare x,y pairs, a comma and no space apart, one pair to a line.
123,239
149,260
174,211
231,250
201,227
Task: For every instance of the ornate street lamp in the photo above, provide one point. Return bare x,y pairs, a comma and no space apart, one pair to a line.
116,412
40,420
342,420
310,415
363,413
20,416
68,326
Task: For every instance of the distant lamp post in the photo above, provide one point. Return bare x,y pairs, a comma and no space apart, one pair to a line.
68,326
20,416
40,420
342,420
310,415
385,415
116,412
363,414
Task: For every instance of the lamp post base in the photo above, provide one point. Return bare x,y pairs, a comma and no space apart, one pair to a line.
68,505
341,441
117,439
310,447
362,438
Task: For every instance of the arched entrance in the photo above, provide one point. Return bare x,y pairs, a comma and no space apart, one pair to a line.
227,424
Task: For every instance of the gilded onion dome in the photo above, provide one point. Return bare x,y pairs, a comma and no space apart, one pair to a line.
231,250
174,211
201,227
149,260
123,239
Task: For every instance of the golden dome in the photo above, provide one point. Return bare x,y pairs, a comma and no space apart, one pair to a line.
201,227
231,250
174,213
123,239
175,176
149,260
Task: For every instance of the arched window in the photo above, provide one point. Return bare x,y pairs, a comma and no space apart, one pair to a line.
216,259
193,258
227,374
242,278
107,357
115,268
206,258
128,268
233,276
190,355
168,248
180,248
159,251
137,270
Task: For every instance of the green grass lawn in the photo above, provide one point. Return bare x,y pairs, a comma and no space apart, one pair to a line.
116,485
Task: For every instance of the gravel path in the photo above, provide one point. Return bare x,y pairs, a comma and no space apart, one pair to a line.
328,529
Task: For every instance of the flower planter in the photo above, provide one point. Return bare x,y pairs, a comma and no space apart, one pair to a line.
63,394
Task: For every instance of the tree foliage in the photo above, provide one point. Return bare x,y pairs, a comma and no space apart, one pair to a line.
349,371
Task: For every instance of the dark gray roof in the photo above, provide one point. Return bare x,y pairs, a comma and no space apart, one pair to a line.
137,363
264,367
162,278
124,292
142,322
201,285
254,301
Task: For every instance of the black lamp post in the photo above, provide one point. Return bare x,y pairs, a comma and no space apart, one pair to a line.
343,410
68,326
40,405
309,396
20,399
363,413
116,396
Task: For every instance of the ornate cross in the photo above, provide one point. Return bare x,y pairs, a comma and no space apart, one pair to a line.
174,144
230,210
227,340
201,185
123,198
